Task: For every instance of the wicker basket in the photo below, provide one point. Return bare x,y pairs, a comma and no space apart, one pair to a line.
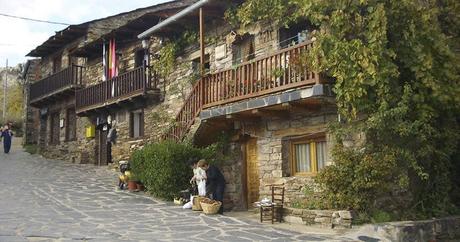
210,206
196,205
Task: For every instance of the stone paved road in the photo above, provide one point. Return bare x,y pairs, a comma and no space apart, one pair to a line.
48,200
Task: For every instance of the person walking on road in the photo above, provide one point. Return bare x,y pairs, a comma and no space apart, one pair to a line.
7,136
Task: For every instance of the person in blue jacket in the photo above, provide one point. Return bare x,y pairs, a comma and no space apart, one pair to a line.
7,136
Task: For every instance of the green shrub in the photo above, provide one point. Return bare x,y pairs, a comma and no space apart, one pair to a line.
380,216
31,149
162,167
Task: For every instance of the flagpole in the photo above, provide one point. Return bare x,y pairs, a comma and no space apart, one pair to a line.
104,62
5,86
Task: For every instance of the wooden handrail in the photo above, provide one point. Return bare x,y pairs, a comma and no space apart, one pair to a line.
118,88
280,71
66,78
187,114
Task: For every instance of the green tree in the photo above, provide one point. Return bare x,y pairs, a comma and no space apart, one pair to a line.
14,109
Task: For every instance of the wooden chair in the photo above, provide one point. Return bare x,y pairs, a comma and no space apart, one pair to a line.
274,211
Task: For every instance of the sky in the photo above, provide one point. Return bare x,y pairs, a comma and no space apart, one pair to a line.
19,37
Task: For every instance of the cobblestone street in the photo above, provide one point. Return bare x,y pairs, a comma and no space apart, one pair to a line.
48,200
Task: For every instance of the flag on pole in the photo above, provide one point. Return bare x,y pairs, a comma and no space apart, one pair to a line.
104,62
109,62
113,60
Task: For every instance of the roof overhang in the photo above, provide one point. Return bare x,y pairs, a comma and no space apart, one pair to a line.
128,33
59,40
73,32
187,17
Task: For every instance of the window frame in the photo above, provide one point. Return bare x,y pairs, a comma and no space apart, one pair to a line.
312,140
141,124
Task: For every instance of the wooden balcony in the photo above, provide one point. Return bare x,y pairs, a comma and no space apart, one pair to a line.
281,71
126,86
59,84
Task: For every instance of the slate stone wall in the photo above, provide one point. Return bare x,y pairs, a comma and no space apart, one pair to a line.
321,218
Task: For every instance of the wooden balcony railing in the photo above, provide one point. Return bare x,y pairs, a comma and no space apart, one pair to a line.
283,70
54,84
129,84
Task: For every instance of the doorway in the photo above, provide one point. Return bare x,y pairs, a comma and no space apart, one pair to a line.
42,139
54,129
103,149
252,172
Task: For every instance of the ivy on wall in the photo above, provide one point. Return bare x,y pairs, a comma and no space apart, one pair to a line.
165,64
396,70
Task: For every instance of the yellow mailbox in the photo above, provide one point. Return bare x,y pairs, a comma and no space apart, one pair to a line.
90,131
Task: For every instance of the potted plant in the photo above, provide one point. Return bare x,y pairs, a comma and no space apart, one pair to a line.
132,181
140,186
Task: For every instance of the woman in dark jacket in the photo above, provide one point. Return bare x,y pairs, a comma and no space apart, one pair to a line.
215,182
7,135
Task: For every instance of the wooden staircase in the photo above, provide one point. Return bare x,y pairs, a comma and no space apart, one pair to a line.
277,72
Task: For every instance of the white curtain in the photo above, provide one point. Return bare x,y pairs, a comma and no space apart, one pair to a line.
321,149
303,158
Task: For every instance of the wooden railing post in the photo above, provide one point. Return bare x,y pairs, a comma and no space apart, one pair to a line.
202,88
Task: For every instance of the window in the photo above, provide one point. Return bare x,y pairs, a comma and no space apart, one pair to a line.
121,117
139,58
243,49
196,63
57,63
308,155
136,124
71,125
294,34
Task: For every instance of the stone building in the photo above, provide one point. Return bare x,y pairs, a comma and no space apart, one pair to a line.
62,71
30,116
255,89
259,93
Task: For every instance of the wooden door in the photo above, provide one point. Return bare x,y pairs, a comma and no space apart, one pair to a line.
102,148
54,129
252,172
42,133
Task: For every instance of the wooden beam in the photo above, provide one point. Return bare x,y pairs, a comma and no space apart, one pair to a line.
270,113
202,46
241,117
300,107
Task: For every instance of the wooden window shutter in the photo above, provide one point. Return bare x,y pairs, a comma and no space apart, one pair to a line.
141,123
131,124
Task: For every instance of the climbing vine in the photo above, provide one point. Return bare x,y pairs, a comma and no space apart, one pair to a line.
396,70
164,65
252,11
166,61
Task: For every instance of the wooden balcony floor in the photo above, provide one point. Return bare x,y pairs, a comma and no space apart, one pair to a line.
319,90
